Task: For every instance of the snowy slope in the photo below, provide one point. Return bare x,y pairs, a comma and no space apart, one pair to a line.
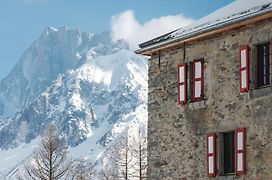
91,105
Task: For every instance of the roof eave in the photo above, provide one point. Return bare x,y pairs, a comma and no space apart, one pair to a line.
249,19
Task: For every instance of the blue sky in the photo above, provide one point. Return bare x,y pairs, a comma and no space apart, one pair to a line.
22,21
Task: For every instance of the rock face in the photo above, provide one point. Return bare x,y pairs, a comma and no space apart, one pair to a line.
55,52
92,89
103,89
177,133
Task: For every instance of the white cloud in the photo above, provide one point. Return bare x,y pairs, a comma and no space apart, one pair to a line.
125,26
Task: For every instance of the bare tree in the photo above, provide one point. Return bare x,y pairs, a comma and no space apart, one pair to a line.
108,172
142,154
83,170
119,158
127,158
138,145
50,161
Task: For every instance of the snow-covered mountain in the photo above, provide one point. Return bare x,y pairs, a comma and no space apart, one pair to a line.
92,97
55,52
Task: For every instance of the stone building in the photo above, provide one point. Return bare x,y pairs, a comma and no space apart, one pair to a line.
210,96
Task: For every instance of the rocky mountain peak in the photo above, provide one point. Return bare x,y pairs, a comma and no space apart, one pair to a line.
54,52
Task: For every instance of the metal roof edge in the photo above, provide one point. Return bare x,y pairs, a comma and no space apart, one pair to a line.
201,31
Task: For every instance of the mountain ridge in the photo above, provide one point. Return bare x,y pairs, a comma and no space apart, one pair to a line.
53,53
91,104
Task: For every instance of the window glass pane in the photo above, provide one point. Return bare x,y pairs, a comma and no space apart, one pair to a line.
240,162
244,79
210,140
198,89
243,58
229,152
198,70
181,74
211,164
263,65
240,141
181,93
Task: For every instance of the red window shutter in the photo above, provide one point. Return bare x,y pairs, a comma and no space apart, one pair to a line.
198,80
211,154
244,68
240,151
182,84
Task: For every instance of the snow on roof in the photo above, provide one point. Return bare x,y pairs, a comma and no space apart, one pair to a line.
237,11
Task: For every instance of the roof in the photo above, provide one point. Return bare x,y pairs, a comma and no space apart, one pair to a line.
237,11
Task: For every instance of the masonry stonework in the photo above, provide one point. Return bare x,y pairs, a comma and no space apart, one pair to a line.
177,133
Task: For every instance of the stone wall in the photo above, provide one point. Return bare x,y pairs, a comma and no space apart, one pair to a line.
177,133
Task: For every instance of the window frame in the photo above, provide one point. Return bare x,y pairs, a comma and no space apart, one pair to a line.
189,81
257,46
213,154
239,150
254,64
194,80
222,167
244,69
242,151
184,83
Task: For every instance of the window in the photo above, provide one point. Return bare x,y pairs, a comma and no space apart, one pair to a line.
232,153
244,68
211,154
192,74
228,153
182,83
198,80
263,65
260,67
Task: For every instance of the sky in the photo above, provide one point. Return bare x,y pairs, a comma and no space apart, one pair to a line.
22,21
